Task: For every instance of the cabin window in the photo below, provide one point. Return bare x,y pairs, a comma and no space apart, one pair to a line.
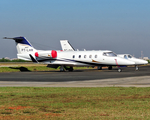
90,56
73,56
79,56
84,56
95,56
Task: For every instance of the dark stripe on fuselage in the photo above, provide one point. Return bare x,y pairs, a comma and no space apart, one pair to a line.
68,60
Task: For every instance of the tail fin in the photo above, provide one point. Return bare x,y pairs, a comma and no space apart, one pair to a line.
66,46
24,47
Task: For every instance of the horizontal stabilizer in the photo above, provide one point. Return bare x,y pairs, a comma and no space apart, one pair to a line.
7,38
21,40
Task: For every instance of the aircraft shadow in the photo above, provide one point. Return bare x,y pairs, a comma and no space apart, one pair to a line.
22,69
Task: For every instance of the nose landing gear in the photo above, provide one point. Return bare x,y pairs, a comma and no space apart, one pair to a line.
119,70
136,68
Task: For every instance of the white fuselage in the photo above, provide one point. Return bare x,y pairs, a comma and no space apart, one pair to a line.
131,58
82,58
79,58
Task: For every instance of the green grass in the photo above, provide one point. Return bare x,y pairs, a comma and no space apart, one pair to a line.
74,103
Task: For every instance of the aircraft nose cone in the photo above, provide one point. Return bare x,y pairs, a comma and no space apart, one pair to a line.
141,62
145,62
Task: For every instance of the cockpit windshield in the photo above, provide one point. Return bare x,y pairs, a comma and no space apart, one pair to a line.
110,54
129,56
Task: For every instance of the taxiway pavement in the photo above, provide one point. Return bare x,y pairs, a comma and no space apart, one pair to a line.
79,78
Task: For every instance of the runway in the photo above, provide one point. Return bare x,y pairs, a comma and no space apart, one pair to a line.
79,78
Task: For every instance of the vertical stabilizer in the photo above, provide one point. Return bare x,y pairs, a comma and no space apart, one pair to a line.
24,47
66,46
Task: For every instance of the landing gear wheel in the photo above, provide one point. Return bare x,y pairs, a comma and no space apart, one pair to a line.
119,70
62,69
68,68
99,67
136,68
110,68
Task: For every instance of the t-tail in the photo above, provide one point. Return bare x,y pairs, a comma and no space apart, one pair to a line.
66,46
24,48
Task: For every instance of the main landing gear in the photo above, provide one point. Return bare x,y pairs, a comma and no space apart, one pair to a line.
63,68
110,68
99,67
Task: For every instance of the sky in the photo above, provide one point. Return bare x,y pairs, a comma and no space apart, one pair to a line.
122,26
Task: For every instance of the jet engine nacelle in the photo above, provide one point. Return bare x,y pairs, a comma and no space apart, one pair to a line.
51,54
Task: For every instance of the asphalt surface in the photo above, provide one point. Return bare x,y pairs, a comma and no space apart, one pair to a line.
79,78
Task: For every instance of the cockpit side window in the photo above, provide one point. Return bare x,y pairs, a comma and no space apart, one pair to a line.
110,54
104,54
125,56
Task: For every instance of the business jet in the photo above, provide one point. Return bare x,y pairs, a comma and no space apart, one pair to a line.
67,59
136,60
66,46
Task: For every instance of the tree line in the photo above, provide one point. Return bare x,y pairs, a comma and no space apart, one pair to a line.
16,60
